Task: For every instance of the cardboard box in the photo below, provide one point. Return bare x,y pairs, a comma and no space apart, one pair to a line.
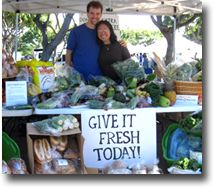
33,133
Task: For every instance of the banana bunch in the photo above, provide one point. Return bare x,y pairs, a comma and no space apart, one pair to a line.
141,93
33,90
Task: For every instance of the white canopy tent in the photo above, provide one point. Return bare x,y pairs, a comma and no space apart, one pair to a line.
150,7
153,7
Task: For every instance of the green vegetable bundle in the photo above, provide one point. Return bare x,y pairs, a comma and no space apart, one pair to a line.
192,124
185,163
129,69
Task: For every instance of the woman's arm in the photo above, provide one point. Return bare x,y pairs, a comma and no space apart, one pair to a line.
69,57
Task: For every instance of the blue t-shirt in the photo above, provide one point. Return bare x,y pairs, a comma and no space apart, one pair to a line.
85,51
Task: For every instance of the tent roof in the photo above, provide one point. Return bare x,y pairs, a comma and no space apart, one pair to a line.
153,7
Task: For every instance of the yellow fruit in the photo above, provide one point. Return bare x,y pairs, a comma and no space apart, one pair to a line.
171,95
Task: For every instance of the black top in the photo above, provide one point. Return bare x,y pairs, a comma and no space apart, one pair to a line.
110,54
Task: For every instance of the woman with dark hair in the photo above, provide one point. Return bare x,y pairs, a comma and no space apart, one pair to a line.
110,49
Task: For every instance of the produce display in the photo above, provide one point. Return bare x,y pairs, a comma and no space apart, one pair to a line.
136,90
64,87
50,87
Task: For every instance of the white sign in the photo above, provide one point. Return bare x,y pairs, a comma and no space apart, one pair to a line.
16,93
112,18
122,134
187,99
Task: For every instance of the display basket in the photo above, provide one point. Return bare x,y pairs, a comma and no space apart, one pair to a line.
188,87
165,143
9,148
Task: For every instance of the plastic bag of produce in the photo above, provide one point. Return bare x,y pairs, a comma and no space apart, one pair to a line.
196,155
45,126
68,72
42,73
98,80
85,92
175,170
74,78
129,69
180,143
58,100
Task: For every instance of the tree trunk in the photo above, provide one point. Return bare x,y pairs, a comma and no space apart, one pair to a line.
167,31
48,48
169,57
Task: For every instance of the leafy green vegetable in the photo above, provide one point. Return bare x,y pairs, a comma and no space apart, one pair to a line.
96,104
119,97
128,69
49,104
151,77
189,122
186,163
155,91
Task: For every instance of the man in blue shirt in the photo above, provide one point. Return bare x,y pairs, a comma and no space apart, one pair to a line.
82,47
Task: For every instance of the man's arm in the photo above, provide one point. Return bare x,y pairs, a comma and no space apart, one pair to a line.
69,57
123,43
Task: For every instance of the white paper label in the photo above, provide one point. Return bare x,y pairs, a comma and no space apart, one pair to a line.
187,99
62,162
16,93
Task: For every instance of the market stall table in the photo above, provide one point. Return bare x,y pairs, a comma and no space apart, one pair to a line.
79,109
145,119
16,113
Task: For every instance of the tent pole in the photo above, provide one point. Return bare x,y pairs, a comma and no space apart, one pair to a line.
174,32
16,38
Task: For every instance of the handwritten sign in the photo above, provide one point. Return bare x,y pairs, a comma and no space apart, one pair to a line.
112,18
128,135
16,93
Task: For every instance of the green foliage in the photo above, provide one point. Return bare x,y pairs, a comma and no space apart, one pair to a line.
168,21
30,40
194,30
145,37
29,35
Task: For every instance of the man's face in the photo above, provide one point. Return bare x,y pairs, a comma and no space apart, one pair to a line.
94,15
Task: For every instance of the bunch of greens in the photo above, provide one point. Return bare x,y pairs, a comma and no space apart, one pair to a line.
129,69
192,123
186,163
155,91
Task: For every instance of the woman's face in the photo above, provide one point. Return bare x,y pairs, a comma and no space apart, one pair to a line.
104,33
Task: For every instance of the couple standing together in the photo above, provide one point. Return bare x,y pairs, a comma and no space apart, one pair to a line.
92,47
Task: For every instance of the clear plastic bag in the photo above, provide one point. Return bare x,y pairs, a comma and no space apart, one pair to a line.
180,143
84,92
175,170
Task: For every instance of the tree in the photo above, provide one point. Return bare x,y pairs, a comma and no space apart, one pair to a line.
145,37
9,29
50,42
35,31
165,25
193,31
